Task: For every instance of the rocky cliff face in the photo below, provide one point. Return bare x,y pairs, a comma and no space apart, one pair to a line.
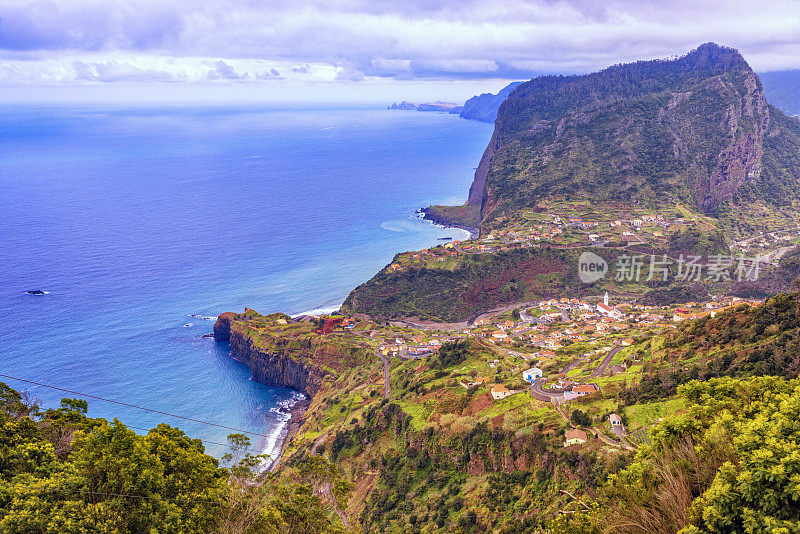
277,363
484,107
222,327
690,130
477,191
277,367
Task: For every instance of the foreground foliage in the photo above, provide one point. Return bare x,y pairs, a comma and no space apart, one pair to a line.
63,472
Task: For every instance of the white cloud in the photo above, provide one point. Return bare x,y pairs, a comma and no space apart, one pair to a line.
349,40
223,71
115,71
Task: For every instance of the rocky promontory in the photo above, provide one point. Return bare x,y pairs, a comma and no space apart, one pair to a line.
285,353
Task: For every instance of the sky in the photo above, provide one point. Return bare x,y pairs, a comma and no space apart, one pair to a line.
357,50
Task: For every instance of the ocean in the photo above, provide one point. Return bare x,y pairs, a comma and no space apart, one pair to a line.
143,224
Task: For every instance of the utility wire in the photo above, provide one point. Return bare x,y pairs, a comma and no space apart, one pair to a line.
201,439
137,407
104,494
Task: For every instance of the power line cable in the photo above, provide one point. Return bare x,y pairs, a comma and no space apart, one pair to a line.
105,494
201,439
138,407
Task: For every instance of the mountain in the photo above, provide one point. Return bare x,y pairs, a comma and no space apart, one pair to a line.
484,107
695,130
783,89
674,157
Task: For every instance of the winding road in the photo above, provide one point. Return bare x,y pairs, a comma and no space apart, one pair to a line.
325,489
387,392
604,364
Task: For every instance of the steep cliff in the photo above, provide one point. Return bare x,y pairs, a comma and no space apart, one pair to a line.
484,107
695,130
277,367
286,354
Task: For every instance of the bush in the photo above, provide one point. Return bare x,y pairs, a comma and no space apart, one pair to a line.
581,418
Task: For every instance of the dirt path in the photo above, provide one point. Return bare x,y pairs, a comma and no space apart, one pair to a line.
317,444
559,409
326,491
608,441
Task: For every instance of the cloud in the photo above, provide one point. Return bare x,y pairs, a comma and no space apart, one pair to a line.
88,25
273,74
351,40
349,73
114,71
223,71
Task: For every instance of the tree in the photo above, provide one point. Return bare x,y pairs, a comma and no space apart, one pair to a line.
581,418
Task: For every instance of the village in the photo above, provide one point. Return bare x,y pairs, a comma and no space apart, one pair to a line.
555,351
560,225
575,224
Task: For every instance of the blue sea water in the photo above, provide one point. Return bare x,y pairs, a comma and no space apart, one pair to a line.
134,219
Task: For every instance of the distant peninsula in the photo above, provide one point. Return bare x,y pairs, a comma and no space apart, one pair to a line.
447,107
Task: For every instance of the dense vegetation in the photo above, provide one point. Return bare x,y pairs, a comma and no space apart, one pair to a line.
727,465
695,240
676,294
750,341
63,472
646,133
477,284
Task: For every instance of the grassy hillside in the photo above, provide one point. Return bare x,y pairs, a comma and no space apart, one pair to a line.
695,130
442,456
710,447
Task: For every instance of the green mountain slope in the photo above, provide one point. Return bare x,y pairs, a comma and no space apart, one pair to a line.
676,157
696,130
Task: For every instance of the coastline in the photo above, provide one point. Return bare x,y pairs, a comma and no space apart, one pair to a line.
433,216
298,407
289,430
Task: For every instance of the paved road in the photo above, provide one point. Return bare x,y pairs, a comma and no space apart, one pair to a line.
776,255
538,392
604,364
573,364
762,235
387,390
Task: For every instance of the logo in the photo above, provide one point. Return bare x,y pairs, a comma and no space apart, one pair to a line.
591,267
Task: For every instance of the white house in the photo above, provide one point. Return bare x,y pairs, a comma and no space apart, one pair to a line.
532,375
580,391
499,391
